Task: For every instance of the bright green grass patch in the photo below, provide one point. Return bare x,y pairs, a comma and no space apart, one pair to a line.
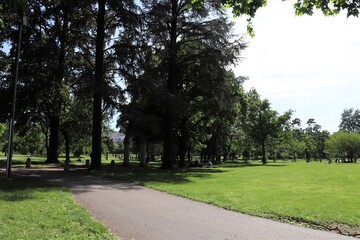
19,160
34,209
314,192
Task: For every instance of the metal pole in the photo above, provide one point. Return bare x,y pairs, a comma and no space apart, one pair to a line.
13,104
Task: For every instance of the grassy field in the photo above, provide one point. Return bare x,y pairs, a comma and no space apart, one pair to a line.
19,160
33,209
315,192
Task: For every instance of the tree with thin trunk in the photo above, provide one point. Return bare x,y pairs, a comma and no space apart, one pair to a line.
262,123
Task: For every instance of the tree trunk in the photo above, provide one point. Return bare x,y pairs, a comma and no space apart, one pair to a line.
142,152
263,153
183,143
45,129
189,152
126,161
182,154
54,119
67,145
226,153
52,155
169,123
169,119
202,156
218,158
148,155
97,88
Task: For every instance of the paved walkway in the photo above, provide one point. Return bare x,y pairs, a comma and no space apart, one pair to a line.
139,213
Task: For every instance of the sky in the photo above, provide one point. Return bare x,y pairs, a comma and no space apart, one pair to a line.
309,64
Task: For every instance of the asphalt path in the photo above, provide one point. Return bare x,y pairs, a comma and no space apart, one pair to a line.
135,212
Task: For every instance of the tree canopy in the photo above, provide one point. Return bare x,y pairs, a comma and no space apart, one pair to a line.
328,7
350,120
344,146
166,65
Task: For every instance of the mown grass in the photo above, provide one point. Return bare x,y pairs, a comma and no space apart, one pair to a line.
19,160
34,209
314,192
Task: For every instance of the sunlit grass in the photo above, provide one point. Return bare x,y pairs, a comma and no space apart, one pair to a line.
33,209
19,160
314,192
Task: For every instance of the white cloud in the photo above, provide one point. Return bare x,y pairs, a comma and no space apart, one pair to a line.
310,64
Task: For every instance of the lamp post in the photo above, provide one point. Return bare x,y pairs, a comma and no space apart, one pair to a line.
13,103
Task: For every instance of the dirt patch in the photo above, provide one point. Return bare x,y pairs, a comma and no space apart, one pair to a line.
340,228
344,229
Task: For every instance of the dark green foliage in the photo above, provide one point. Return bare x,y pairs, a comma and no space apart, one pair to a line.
344,146
318,137
263,124
350,120
98,84
111,16
328,7
46,70
180,82
172,57
56,72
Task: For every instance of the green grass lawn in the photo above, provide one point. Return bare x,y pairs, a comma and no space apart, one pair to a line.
34,209
315,192
18,160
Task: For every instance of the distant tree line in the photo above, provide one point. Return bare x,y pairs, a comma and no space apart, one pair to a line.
164,65
344,145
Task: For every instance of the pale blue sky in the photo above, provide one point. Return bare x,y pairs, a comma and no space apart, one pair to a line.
310,64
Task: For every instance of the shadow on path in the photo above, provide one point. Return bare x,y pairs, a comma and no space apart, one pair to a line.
79,179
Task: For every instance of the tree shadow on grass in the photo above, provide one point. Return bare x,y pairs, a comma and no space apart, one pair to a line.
129,178
23,188
80,180
153,173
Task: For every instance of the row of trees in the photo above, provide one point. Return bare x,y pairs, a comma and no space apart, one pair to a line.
290,141
57,91
163,64
32,141
345,144
75,53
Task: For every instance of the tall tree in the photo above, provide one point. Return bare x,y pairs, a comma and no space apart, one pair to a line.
263,123
50,43
98,86
344,145
350,120
318,136
190,39
296,139
76,123
110,18
222,103
30,140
